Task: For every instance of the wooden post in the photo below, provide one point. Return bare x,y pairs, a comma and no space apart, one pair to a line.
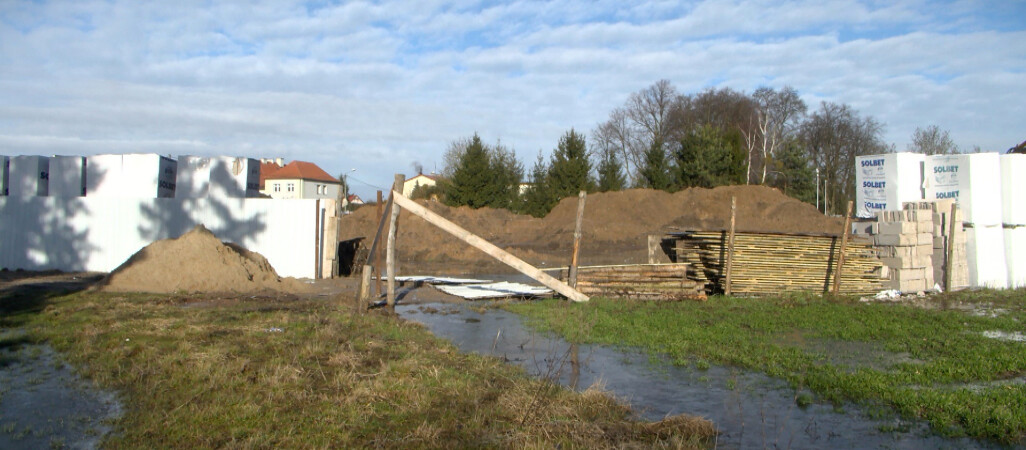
577,239
375,254
489,248
393,228
653,247
844,247
730,245
375,244
949,257
317,239
364,287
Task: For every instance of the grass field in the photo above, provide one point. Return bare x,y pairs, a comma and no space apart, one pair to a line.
957,363
290,373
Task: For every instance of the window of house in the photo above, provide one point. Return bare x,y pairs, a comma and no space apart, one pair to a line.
292,187
320,189
277,187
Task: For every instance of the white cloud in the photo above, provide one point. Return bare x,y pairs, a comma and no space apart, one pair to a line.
377,85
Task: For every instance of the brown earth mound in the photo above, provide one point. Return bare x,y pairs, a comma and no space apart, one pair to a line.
197,262
615,227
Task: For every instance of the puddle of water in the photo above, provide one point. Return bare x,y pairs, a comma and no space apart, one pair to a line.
43,404
750,409
1005,336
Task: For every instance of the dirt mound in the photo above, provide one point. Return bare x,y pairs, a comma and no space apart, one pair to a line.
615,228
197,262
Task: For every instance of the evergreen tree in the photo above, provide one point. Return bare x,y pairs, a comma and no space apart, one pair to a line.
655,173
507,172
570,170
538,199
708,157
610,173
798,173
471,182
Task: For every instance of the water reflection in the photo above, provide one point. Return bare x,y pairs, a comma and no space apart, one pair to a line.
750,409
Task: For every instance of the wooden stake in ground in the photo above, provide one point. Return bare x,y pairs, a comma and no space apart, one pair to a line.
730,246
949,257
489,248
577,239
375,254
844,247
375,248
393,228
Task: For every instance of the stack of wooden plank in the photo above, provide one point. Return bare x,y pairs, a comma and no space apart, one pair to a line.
769,263
638,281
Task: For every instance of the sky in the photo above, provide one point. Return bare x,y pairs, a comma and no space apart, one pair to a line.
381,87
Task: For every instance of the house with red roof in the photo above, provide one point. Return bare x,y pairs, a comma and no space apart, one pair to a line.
297,179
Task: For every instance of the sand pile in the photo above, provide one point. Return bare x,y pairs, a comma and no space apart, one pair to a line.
197,262
616,225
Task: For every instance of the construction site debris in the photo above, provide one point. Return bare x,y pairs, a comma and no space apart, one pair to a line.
197,262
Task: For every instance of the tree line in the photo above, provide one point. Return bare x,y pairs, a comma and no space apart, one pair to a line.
662,139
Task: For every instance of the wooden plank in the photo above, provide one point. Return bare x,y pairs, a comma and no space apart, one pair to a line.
393,228
375,246
489,248
730,245
844,246
375,254
949,257
577,238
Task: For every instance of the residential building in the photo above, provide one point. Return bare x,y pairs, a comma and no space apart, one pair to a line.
298,179
419,180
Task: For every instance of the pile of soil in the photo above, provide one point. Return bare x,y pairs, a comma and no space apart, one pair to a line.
615,227
197,262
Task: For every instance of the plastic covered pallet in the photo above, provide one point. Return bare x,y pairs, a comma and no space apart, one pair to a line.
884,182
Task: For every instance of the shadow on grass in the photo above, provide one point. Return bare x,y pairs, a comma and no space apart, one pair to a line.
23,294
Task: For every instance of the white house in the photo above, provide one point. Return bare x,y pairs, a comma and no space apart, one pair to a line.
419,180
298,179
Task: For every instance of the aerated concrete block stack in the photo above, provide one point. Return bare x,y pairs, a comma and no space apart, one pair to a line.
67,176
904,242
941,210
29,176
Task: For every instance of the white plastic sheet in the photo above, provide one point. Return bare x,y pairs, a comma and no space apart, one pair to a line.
234,177
1015,256
973,180
29,176
884,182
67,176
193,177
985,248
131,175
1013,189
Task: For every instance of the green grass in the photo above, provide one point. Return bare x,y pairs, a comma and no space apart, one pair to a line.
217,376
931,363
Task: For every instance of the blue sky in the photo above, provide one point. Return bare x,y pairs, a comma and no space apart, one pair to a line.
378,86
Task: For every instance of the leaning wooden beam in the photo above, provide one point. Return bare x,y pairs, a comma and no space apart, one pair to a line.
393,229
730,248
489,248
844,247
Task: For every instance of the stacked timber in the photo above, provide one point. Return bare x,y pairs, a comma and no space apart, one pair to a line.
772,263
638,281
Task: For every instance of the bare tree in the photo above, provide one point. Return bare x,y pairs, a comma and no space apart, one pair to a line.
779,113
833,136
616,135
932,141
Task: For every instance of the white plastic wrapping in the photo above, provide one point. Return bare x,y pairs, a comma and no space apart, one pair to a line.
140,175
1015,256
193,177
67,176
985,248
28,176
884,182
973,180
234,177
1013,189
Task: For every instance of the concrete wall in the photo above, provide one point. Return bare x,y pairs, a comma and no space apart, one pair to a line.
100,233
